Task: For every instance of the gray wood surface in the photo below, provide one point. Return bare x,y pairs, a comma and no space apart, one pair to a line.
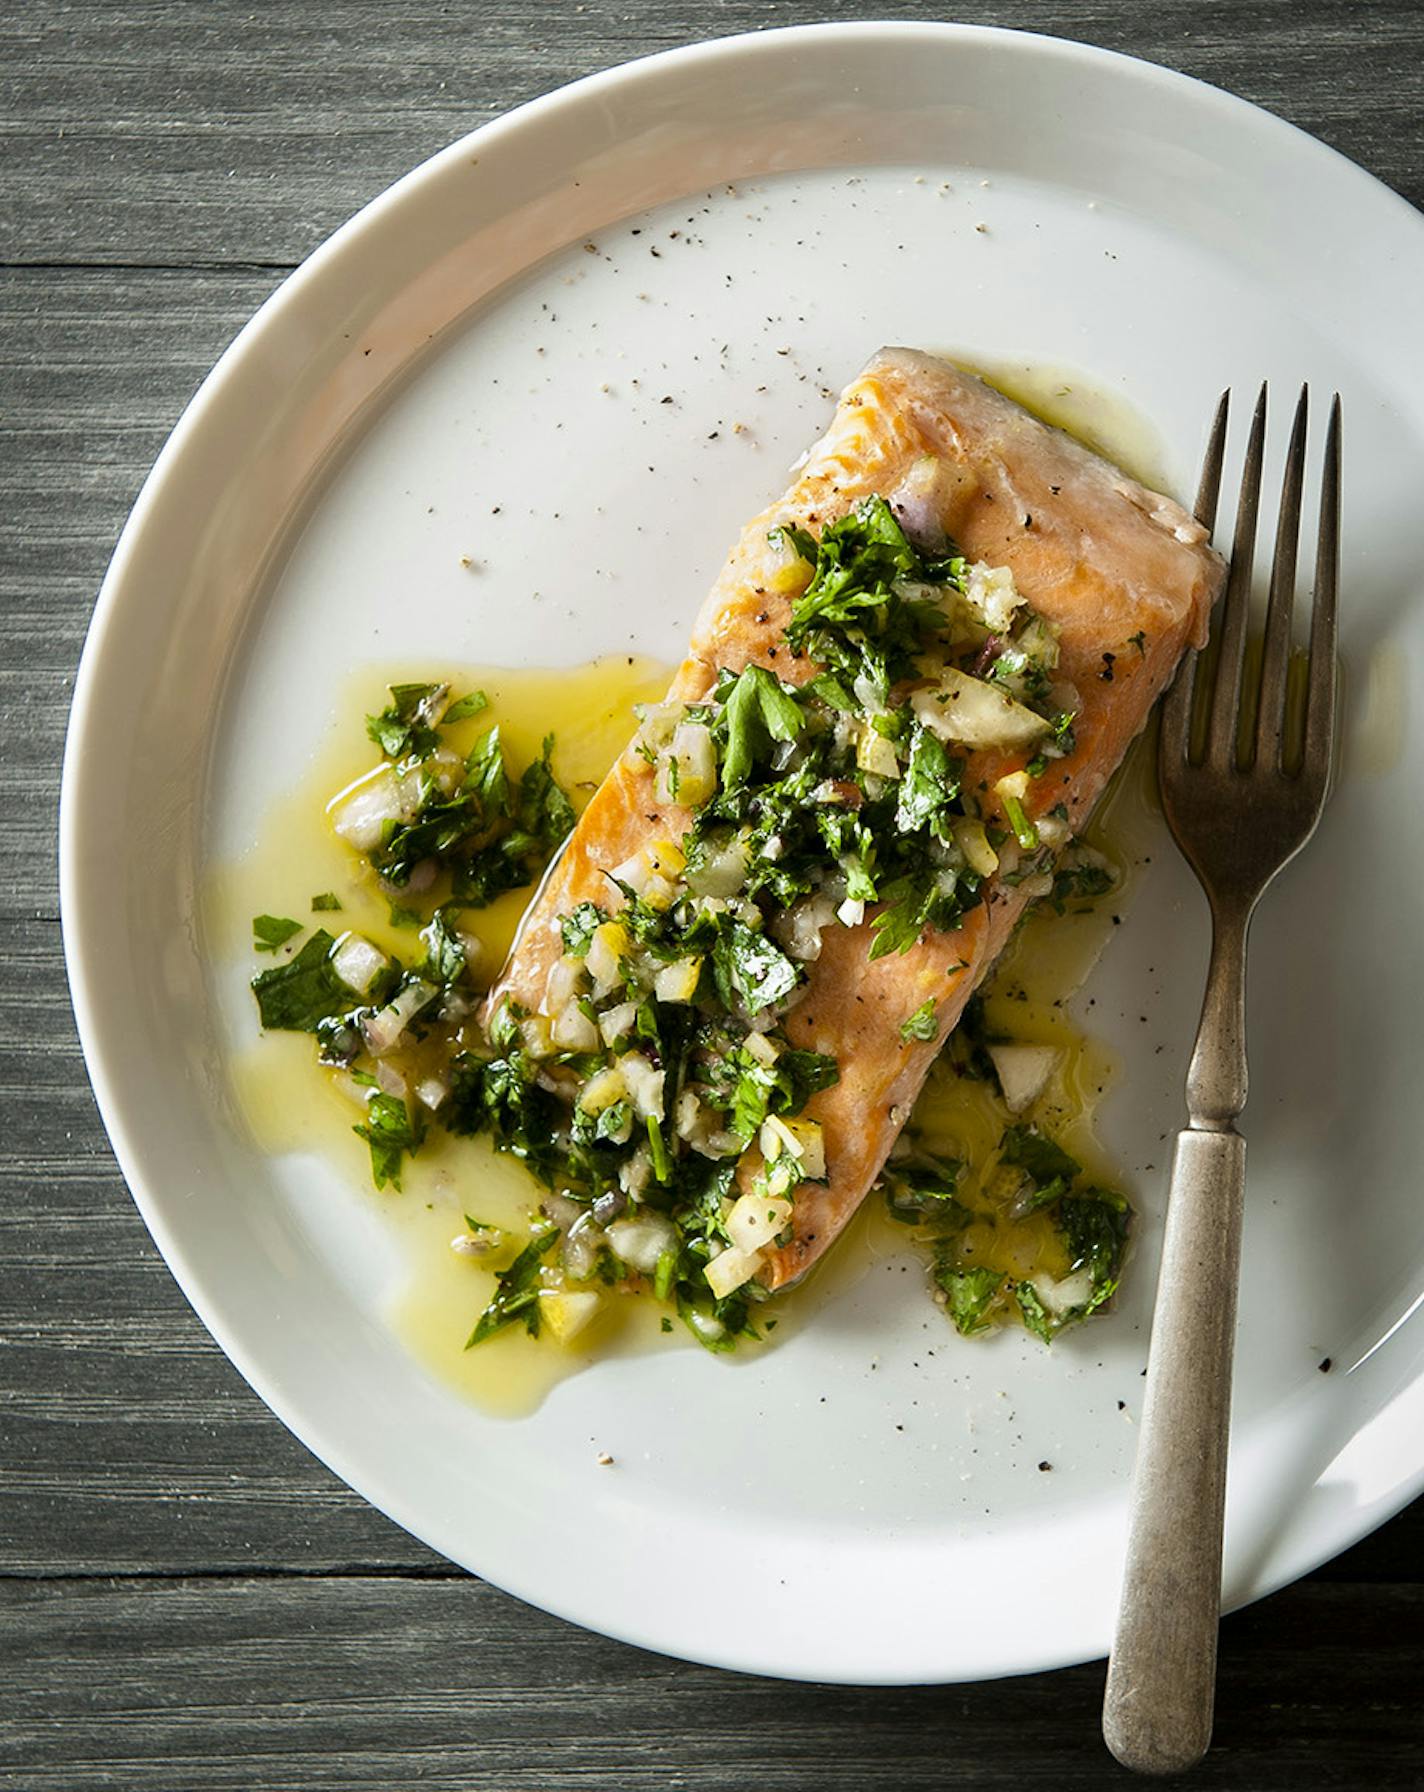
188,1599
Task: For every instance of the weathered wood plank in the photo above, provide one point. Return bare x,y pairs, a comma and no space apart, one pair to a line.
94,371
265,1683
240,134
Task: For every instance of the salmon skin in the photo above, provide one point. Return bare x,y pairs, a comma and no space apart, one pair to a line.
1124,578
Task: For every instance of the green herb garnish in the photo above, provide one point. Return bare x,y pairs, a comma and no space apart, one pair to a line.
271,932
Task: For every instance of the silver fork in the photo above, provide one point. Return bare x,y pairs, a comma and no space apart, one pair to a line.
1241,800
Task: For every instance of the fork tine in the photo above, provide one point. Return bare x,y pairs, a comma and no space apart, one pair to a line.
1320,691
1177,705
1275,659
1209,485
1236,607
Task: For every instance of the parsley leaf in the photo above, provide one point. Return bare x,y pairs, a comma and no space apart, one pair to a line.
858,560
922,1024
751,971
757,709
486,778
270,932
918,900
1079,881
1044,1162
390,1132
923,1193
1035,1315
465,707
328,901
929,785
407,725
516,1293
544,811
297,996
971,1292
578,928
445,960
1095,1223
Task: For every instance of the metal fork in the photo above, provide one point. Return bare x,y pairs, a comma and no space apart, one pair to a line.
1242,797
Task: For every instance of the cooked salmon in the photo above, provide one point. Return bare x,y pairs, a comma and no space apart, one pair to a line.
1123,574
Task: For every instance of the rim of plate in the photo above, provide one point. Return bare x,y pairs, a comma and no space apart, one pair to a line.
101,1033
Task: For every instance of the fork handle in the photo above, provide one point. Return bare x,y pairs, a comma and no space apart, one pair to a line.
1157,1712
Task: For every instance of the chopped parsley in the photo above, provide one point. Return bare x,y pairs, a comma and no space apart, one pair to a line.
464,707
390,1132
516,1294
271,932
299,995
407,725
922,1024
970,1293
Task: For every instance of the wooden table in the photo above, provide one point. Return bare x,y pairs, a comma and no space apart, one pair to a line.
191,1601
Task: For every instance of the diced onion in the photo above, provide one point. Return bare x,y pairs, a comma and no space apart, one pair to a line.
727,1272
799,930
706,1325
1039,640
874,753
536,1036
765,1051
390,1081
919,502
689,1118
476,1244
617,1023
851,912
563,1210
687,768
634,872
1023,1072
384,1030
573,1031
635,1172
361,812
1061,1296
602,1090
565,1313
677,982
644,1083
973,842
565,976
640,1242
756,1220
992,592
973,713
357,962
659,724
431,1091
606,951
722,872
580,1250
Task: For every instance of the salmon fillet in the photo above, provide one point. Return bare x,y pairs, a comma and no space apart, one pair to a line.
1125,576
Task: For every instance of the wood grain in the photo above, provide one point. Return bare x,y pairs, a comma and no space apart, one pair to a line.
240,134
189,1685
188,1599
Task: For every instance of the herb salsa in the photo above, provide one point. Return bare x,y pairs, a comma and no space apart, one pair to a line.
654,1092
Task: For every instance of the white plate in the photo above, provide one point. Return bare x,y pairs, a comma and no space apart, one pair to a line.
446,352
